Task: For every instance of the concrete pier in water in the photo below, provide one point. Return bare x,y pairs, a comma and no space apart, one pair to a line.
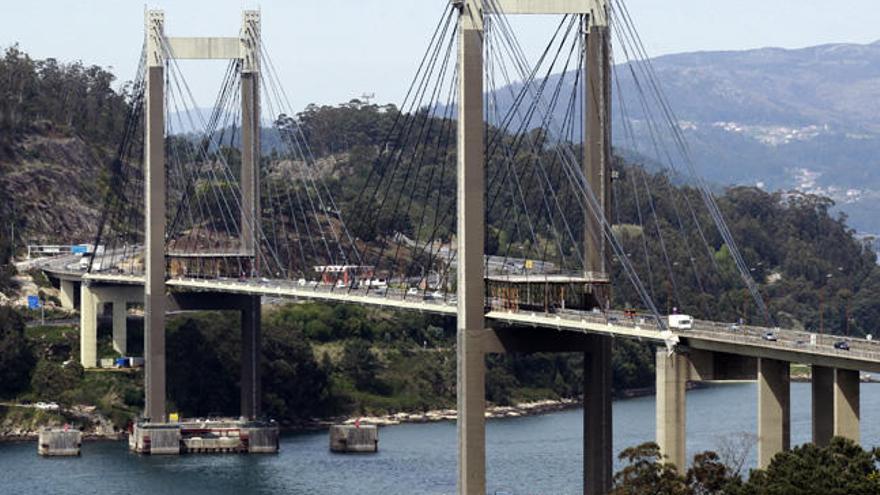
59,442
351,438
205,436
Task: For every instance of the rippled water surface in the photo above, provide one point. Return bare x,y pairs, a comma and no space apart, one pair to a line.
539,454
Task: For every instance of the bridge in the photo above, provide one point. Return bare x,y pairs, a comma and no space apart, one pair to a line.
188,226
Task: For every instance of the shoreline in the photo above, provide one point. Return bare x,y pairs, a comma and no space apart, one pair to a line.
517,410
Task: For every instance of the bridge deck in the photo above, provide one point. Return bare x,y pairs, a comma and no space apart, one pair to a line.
792,345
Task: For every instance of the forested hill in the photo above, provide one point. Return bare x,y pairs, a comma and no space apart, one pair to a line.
804,258
59,123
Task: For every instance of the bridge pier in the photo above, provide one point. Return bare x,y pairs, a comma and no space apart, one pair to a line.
251,321
672,374
823,404
774,409
120,326
92,301
68,294
846,404
598,445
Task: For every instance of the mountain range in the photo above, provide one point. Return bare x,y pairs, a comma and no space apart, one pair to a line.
781,119
791,119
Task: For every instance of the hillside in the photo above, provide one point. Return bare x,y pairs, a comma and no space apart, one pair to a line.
805,119
59,123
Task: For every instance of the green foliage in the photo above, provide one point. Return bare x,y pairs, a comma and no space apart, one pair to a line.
804,260
202,358
45,95
51,381
360,364
16,358
294,384
647,473
841,468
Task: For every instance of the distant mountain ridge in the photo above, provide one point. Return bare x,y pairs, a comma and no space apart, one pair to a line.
806,119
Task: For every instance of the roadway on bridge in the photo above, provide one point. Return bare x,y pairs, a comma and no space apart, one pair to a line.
791,345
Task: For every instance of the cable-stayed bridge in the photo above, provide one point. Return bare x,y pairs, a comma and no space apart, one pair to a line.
478,204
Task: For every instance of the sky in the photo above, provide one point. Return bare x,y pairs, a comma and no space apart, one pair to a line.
330,51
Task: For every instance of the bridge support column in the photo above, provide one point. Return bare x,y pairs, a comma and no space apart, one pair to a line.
251,398
471,372
823,404
120,326
88,328
154,236
598,446
672,372
774,409
68,291
846,404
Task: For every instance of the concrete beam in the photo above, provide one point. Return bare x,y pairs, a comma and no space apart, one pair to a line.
671,409
525,7
204,48
708,366
208,301
773,351
823,404
598,444
846,404
529,340
774,409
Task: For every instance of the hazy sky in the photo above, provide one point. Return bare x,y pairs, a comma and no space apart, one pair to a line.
329,51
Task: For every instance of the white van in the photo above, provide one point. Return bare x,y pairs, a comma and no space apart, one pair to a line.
681,322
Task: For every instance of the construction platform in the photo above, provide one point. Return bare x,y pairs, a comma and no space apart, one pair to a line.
204,436
547,292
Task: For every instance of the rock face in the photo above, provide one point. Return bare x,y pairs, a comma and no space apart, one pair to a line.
55,183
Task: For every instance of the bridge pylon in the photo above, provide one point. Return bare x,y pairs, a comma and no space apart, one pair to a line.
472,335
159,49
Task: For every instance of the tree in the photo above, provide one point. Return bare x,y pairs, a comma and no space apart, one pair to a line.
841,468
16,358
360,364
708,475
51,380
295,385
647,473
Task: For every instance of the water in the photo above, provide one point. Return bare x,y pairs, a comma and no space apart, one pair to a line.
540,454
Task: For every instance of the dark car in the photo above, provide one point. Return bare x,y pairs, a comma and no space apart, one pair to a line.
842,345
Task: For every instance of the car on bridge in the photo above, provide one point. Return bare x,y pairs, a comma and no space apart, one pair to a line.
842,345
770,337
681,322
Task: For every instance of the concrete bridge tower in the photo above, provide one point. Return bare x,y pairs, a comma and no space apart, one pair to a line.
246,49
474,340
